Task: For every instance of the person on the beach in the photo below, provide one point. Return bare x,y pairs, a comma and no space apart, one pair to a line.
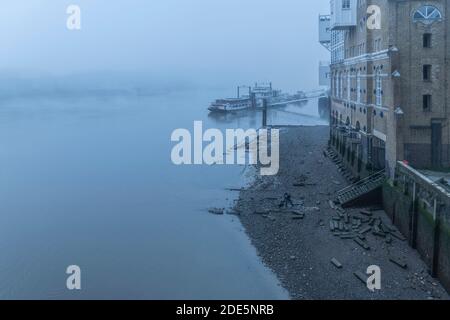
286,201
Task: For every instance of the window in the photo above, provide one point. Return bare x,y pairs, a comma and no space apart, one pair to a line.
426,102
345,4
427,14
427,72
427,40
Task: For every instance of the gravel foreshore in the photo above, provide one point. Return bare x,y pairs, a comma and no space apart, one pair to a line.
300,250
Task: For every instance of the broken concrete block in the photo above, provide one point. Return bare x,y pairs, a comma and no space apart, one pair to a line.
398,235
336,263
384,228
361,276
340,210
365,230
331,225
398,262
388,239
364,245
366,213
336,224
332,205
379,234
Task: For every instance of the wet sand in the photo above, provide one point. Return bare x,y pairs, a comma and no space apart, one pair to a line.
299,251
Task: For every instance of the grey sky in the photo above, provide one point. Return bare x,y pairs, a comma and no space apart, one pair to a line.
206,41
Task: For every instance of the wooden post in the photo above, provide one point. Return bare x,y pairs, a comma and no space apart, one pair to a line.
414,218
436,241
264,117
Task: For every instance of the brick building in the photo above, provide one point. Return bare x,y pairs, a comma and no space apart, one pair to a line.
390,83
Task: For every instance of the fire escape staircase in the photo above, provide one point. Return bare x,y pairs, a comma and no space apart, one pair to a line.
361,188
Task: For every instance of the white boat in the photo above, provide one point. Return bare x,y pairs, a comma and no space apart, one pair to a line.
255,98
231,104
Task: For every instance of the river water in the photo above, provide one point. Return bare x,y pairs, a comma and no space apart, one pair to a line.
89,182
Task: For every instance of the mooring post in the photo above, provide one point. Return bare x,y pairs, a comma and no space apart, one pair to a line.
264,116
253,98
414,218
436,241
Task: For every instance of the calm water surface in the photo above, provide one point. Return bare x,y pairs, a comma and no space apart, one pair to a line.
89,181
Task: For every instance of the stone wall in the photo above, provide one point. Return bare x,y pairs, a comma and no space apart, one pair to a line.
421,211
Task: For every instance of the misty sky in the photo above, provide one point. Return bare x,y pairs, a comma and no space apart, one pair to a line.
204,41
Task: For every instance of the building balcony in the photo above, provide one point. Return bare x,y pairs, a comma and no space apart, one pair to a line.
324,30
343,14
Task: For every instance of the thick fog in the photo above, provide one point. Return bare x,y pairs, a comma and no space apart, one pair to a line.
195,42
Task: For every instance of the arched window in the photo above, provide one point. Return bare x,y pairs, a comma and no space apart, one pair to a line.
347,122
427,14
358,126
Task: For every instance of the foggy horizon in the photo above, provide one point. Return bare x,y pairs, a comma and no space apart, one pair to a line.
200,43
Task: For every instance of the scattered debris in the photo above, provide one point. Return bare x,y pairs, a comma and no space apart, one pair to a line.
366,213
262,212
398,235
235,189
361,276
365,230
218,211
398,262
336,263
233,212
332,204
364,245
